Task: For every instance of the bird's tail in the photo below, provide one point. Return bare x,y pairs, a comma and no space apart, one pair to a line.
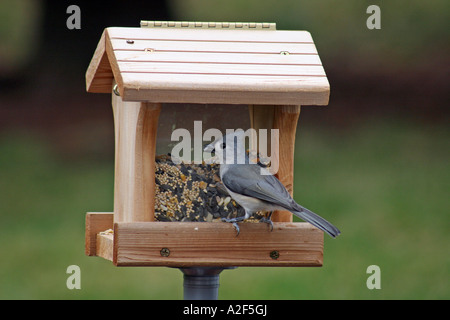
316,221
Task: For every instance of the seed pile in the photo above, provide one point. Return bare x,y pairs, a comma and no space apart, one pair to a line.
193,192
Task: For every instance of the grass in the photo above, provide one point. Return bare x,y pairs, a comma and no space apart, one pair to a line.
384,184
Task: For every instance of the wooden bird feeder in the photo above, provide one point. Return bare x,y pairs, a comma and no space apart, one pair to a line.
269,73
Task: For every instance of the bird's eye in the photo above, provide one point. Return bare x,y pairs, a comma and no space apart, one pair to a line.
223,145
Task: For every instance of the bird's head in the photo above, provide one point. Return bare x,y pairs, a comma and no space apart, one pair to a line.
229,148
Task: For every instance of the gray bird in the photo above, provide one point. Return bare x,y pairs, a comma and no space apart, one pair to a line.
254,187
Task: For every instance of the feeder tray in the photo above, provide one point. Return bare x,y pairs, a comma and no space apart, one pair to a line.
271,71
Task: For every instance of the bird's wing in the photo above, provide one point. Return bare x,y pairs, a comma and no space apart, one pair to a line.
246,179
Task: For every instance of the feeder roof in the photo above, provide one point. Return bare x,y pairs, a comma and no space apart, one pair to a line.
182,65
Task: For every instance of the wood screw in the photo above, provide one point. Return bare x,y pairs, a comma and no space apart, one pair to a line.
165,252
274,254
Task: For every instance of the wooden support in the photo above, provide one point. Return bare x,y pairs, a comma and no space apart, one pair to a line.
283,118
135,125
105,246
189,244
95,223
261,117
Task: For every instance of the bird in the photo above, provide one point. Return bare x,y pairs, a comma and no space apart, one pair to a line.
254,187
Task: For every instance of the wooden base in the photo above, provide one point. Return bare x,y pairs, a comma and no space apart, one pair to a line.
188,244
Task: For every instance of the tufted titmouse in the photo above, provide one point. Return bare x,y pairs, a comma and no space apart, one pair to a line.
254,187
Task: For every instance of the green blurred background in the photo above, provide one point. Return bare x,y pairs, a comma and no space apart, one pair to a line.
375,161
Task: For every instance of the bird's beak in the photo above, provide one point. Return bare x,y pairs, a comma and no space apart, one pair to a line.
208,148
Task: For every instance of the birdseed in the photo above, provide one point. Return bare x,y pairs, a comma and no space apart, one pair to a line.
193,192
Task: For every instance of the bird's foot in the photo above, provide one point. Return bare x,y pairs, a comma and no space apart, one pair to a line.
234,221
268,220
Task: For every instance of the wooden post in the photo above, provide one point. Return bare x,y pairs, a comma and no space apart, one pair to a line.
135,125
261,117
284,118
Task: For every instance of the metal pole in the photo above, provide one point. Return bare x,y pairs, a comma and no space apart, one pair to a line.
202,283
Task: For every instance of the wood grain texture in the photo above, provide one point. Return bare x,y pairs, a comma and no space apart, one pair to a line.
230,69
215,46
217,89
99,75
211,66
285,120
135,125
216,244
105,246
217,58
261,117
95,223
203,243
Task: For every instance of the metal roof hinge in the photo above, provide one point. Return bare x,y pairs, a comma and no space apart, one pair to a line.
209,25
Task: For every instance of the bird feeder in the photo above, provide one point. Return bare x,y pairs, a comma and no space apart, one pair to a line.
266,73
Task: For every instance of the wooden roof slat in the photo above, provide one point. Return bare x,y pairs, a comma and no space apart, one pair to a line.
212,57
213,46
220,68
